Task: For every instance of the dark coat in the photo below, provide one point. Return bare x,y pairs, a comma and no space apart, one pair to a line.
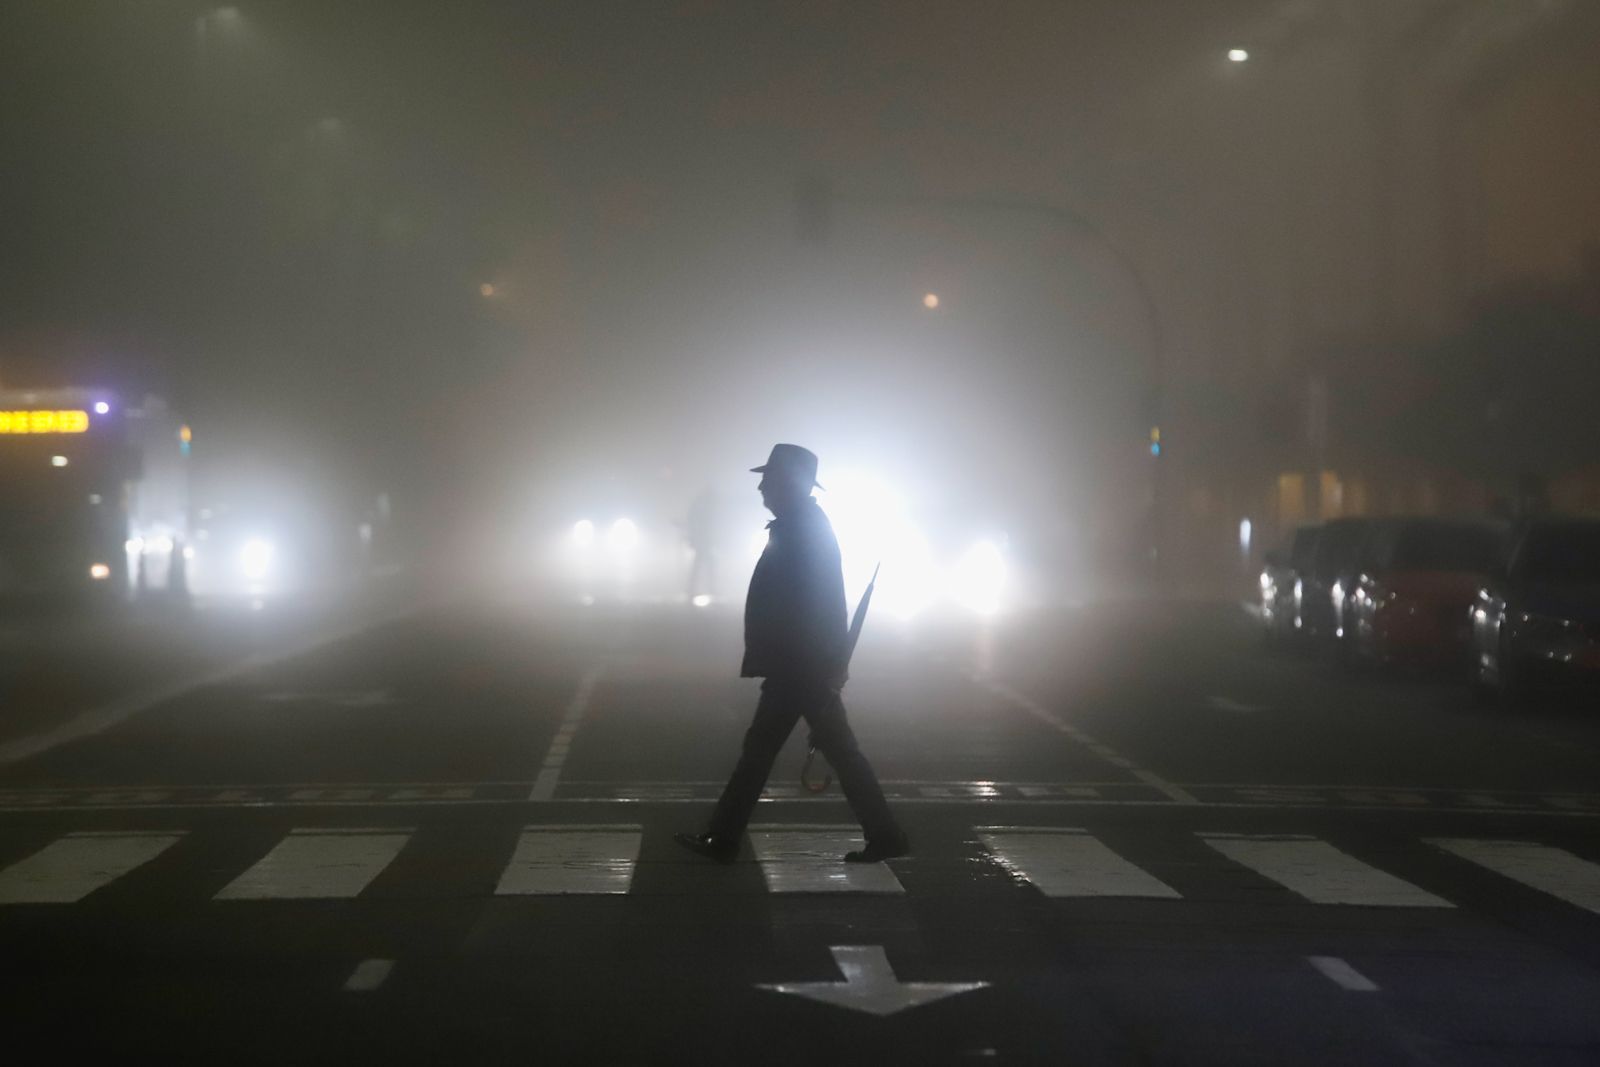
794,615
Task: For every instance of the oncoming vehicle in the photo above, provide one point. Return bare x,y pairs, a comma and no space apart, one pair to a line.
96,495
1537,621
646,546
1319,591
1417,579
1280,584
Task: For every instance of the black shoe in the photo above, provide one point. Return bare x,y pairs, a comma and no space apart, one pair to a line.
710,846
884,848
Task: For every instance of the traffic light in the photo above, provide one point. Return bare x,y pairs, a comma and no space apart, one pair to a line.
1155,440
813,209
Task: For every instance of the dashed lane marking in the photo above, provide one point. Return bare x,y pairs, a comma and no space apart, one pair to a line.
72,867
1104,751
1319,872
1236,707
100,719
318,865
368,976
555,757
1342,974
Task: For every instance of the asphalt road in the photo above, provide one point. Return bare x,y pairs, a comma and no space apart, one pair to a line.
443,835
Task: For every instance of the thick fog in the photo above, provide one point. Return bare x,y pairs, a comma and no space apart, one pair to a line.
1101,283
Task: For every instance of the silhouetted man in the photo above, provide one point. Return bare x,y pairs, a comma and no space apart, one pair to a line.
794,638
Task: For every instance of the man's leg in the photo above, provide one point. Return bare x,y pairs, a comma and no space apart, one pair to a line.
776,713
831,733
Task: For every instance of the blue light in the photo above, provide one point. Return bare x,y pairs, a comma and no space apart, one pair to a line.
1155,448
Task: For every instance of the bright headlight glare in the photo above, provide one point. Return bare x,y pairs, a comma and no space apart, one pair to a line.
980,578
583,533
99,571
623,536
909,581
255,558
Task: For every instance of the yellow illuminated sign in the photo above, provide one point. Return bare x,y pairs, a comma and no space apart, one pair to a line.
44,421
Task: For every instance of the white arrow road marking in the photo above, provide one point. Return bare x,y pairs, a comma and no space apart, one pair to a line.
1235,706
870,984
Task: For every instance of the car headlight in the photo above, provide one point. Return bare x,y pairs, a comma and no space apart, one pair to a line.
255,558
623,536
583,533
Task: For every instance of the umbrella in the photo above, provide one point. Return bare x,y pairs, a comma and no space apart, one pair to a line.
856,623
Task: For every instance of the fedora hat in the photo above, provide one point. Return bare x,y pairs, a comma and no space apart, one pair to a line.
800,463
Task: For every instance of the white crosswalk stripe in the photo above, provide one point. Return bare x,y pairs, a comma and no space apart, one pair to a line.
72,867
571,859
810,859
603,859
1070,863
318,865
1321,873
1550,870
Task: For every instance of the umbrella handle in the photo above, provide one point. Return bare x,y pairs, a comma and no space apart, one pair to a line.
805,771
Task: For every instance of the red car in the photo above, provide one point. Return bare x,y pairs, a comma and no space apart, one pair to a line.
1415,588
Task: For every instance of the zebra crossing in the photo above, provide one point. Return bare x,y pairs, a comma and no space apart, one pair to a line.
319,863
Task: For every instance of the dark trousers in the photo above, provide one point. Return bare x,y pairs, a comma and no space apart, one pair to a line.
783,704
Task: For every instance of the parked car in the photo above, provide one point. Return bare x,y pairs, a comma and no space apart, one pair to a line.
1320,592
1537,622
1417,578
1279,579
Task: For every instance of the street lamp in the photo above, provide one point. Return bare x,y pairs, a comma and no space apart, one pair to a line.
931,301
1237,55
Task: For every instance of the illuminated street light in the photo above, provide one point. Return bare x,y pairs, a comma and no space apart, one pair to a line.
931,301
1237,55
101,407
486,290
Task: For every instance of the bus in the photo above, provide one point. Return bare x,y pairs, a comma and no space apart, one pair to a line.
93,495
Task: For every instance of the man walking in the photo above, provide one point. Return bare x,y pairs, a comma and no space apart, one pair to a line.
794,638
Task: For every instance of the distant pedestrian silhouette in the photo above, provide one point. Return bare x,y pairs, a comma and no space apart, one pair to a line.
795,638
